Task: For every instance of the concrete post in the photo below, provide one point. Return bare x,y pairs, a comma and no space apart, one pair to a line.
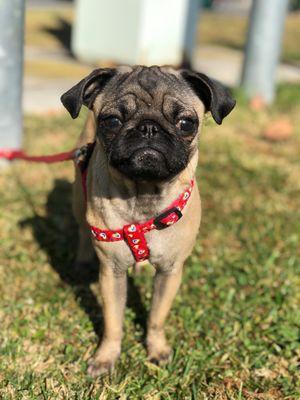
134,31
263,48
11,72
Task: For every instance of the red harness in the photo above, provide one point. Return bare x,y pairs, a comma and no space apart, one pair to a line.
134,234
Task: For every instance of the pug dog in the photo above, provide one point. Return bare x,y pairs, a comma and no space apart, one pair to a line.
138,199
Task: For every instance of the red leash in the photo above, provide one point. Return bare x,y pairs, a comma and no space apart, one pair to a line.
11,154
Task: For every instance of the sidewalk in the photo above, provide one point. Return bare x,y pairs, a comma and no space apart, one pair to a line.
225,65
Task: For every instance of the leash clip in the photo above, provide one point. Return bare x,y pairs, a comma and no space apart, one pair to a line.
80,154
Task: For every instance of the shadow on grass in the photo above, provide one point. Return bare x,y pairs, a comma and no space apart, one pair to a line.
62,33
231,44
56,233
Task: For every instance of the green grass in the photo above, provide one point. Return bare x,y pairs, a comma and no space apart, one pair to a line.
235,324
232,33
55,69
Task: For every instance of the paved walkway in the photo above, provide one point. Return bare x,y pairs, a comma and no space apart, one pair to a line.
225,65
43,95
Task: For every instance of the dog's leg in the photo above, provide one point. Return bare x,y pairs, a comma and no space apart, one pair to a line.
113,287
166,285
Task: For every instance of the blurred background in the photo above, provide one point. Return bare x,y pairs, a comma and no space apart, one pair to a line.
235,324
64,40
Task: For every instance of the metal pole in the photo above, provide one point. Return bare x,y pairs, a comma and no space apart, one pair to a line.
263,48
11,72
193,13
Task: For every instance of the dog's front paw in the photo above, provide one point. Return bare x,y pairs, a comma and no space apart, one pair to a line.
160,356
104,360
97,368
159,352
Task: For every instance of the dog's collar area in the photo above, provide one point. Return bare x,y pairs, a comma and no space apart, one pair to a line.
134,234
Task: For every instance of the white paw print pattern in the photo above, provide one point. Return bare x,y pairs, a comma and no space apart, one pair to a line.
132,228
186,195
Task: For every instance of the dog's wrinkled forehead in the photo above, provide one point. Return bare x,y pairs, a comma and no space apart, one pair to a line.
143,89
156,87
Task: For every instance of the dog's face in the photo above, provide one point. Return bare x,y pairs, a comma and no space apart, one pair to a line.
148,118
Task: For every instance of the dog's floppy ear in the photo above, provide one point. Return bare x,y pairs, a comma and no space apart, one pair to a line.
85,92
215,97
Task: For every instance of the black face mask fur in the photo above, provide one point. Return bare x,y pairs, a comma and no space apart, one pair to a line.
146,121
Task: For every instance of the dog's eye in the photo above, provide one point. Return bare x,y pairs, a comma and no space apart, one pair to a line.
186,125
112,122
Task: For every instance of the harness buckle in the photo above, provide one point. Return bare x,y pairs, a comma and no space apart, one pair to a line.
158,220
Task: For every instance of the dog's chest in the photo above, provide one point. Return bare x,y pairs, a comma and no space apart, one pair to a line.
165,246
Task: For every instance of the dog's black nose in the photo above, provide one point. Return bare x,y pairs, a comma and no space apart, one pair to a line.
149,129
